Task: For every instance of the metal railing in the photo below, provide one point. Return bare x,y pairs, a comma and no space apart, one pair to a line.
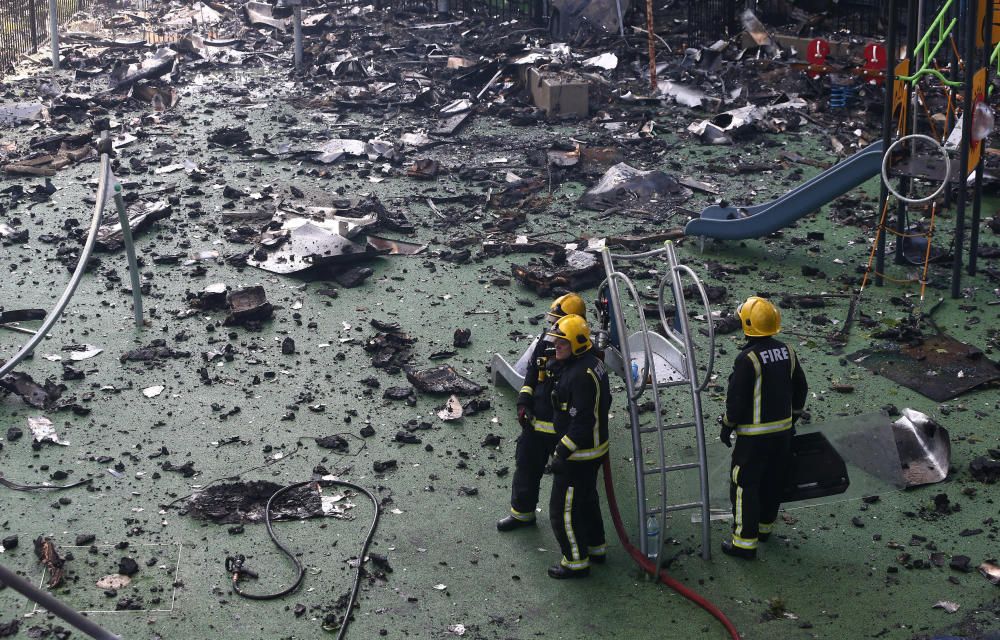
24,26
533,10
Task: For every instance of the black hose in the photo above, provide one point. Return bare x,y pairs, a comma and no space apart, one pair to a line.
361,556
234,564
41,487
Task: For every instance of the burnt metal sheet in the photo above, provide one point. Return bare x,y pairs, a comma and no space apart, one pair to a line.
309,245
623,184
333,150
924,448
912,451
940,368
394,247
260,14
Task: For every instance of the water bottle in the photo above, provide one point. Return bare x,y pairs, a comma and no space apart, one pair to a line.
635,372
652,538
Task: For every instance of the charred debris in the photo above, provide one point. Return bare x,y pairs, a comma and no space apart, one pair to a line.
396,96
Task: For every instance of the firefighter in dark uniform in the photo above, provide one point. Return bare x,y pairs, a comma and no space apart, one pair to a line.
581,400
534,414
766,395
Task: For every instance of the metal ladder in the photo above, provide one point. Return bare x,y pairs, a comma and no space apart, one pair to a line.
663,361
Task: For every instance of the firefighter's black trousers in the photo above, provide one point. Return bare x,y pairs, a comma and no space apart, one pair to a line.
575,514
757,478
530,457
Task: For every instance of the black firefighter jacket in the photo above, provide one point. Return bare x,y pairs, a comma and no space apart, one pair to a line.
766,388
536,392
582,398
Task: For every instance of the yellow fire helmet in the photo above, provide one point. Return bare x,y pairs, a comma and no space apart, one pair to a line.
759,317
565,305
574,329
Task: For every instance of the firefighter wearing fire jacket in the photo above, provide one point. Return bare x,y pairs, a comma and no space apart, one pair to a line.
581,400
534,414
766,395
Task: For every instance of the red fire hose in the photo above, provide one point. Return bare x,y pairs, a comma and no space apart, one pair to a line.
649,567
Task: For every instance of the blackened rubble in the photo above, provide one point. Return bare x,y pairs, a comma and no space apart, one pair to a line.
442,379
49,556
155,350
245,502
37,395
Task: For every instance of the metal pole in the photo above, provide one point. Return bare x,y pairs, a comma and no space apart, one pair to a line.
33,17
81,267
53,605
652,45
912,34
133,265
977,196
953,70
637,456
970,57
890,78
54,33
297,24
977,193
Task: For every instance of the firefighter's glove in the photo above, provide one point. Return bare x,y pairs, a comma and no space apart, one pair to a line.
560,459
558,465
524,417
725,432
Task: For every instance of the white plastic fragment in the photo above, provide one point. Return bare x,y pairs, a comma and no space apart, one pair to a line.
89,351
950,607
457,629
452,409
42,430
114,581
152,392
604,61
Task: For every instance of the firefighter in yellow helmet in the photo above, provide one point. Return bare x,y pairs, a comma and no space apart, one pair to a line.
581,399
534,414
766,395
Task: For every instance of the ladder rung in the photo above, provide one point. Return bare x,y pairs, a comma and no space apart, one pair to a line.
674,507
683,506
672,467
673,383
667,427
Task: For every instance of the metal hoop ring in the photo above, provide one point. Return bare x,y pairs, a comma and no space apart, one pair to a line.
885,168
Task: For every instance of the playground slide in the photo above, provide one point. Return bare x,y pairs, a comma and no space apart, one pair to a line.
738,223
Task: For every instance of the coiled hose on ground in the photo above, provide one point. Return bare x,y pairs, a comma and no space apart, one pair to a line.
234,564
650,567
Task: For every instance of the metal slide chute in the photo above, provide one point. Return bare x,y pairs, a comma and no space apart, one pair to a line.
739,223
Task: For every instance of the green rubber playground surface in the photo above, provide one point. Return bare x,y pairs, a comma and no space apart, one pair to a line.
841,569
